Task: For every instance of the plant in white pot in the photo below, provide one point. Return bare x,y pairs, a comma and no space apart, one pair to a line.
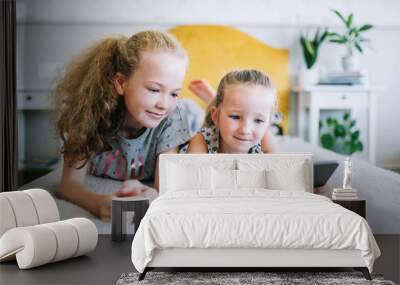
310,46
353,39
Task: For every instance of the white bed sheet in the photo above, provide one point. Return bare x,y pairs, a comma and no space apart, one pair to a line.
252,218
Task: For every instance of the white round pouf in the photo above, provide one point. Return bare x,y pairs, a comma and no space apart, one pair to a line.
7,218
45,205
33,246
67,240
87,234
23,208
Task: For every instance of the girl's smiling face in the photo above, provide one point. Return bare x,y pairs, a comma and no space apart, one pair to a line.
243,117
150,93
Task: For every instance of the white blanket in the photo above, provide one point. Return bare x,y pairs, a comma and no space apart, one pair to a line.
252,218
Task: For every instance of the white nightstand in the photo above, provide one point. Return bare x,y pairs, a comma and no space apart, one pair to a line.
356,99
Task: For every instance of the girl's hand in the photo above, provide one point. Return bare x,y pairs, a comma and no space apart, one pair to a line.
131,188
103,207
128,188
203,90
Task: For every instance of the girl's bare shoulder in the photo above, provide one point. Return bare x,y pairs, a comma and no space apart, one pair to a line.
197,144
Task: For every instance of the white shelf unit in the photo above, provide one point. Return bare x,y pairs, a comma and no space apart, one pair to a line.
360,101
36,136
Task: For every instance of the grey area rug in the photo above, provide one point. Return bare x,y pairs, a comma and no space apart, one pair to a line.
273,278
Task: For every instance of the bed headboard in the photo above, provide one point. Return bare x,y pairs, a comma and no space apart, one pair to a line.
215,50
284,166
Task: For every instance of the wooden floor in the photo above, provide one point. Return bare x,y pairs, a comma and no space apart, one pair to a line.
389,262
110,260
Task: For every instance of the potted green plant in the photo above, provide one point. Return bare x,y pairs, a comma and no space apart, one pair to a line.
353,38
310,46
340,136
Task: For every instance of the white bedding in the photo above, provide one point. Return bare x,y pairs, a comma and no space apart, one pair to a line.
252,218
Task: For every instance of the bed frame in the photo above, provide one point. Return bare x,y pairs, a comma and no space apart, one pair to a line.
261,259
242,259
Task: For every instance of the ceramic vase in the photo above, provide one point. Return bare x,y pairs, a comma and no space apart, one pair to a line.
308,77
351,61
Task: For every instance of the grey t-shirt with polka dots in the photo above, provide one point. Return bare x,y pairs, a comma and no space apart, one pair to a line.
136,158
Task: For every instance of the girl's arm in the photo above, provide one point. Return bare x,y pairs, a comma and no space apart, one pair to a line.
72,189
269,143
197,145
137,186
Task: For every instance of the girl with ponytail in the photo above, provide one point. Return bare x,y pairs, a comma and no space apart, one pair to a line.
238,117
116,112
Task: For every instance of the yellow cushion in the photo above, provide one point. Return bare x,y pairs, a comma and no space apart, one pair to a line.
215,50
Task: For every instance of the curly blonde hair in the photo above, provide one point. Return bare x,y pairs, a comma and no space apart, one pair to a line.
88,108
244,76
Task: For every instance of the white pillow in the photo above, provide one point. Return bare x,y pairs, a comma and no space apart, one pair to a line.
183,177
289,179
251,178
280,174
224,179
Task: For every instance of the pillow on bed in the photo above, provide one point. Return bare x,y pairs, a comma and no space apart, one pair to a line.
224,179
251,179
279,175
291,179
182,177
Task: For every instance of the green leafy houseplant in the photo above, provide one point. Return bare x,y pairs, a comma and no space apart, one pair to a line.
353,35
310,46
340,136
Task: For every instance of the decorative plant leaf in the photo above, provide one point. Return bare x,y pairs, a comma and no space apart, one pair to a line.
348,148
310,47
358,47
323,37
320,125
338,40
355,32
338,135
351,37
359,146
332,34
340,131
339,15
316,37
327,141
349,20
366,27
355,135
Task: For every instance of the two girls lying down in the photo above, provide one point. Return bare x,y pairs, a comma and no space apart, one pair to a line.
118,115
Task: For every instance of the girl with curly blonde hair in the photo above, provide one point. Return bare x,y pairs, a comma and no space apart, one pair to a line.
117,111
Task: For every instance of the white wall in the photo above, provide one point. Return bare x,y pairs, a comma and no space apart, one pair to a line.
51,31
